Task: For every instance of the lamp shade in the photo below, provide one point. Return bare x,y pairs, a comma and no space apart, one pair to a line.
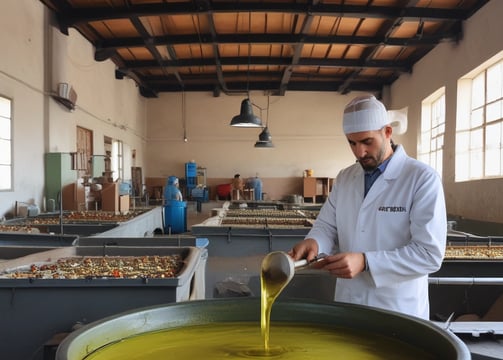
264,139
246,118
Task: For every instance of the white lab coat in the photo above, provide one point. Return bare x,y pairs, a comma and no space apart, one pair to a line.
400,225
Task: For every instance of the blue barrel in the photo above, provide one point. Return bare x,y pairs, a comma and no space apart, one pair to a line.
175,217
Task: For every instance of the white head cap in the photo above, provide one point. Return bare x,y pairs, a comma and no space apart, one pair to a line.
364,113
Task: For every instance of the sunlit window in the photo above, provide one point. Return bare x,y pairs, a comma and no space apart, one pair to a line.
5,144
479,130
118,159
431,142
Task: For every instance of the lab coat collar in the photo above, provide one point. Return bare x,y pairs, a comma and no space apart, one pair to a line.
395,165
393,170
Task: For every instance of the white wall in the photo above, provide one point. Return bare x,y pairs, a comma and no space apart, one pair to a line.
305,127
21,79
478,200
105,105
34,60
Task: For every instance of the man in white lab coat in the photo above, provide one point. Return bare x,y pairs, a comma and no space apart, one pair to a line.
384,224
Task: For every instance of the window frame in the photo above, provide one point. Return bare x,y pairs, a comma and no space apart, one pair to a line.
10,161
118,158
473,124
432,131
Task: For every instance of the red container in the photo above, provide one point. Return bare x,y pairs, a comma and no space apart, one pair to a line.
224,191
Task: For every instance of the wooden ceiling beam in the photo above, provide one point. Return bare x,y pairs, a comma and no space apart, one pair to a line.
297,52
80,15
387,30
402,66
370,85
277,39
283,71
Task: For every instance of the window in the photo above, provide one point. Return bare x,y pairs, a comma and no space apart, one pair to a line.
5,144
431,142
118,159
479,126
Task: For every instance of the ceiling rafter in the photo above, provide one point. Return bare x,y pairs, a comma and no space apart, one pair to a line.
92,14
388,29
316,46
205,4
290,39
402,66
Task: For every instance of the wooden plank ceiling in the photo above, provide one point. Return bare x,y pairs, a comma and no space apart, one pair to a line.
273,46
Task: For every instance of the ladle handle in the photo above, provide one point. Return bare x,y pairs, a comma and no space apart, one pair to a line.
300,263
304,262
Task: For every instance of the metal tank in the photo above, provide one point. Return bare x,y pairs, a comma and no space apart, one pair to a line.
421,334
33,310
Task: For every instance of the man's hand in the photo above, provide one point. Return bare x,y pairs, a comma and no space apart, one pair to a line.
305,249
344,265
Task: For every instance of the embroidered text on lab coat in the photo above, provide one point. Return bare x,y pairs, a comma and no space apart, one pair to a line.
392,209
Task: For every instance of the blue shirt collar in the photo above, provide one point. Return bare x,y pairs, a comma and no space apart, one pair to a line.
381,167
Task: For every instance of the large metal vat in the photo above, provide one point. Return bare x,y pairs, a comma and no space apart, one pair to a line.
255,230
139,223
156,241
33,310
17,244
468,284
418,333
198,292
235,242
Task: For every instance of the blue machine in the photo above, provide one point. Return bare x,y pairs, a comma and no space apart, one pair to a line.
190,177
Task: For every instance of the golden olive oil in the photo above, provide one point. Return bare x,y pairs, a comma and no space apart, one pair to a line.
270,287
242,340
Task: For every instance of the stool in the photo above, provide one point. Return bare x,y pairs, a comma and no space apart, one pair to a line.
249,194
235,194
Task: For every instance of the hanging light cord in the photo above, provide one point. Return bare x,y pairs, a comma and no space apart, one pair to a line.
249,57
267,112
184,119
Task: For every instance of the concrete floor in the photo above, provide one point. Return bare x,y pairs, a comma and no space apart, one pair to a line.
224,276
195,217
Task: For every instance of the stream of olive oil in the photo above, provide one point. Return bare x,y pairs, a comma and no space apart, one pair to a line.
270,288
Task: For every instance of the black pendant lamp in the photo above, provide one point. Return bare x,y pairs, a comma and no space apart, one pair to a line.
246,118
264,139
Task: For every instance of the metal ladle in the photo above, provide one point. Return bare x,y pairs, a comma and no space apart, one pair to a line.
278,268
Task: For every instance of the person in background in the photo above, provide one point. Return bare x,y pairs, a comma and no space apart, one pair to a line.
384,224
172,190
237,187
256,184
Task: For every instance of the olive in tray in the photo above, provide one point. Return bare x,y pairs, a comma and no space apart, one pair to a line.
475,252
86,267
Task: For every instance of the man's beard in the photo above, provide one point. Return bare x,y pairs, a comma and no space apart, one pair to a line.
370,163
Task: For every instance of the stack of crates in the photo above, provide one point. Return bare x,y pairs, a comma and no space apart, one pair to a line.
190,177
